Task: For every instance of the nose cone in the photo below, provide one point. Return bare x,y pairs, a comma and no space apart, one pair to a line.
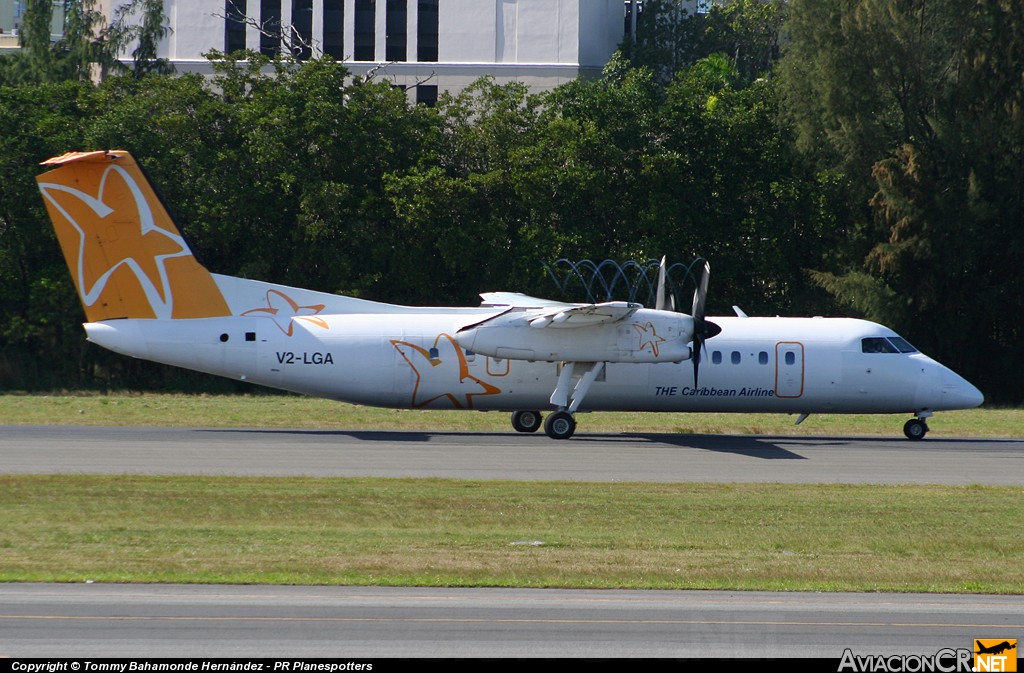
958,393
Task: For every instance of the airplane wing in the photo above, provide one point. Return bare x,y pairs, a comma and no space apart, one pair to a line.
545,312
580,315
518,300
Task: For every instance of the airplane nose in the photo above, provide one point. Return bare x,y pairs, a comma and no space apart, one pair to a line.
958,393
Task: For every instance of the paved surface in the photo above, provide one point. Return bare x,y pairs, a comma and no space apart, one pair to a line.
247,621
250,621
585,457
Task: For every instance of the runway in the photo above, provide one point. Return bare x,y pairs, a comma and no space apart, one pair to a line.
585,457
79,620
93,620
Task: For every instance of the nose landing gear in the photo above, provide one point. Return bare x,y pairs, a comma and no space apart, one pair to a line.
917,428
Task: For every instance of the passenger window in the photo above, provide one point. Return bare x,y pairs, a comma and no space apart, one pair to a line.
716,357
762,357
790,358
433,353
876,345
735,357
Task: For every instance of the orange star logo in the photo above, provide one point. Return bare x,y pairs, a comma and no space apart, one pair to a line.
143,248
283,309
442,372
649,337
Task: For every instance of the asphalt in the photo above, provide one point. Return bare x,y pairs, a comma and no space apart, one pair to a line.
585,457
145,621
82,620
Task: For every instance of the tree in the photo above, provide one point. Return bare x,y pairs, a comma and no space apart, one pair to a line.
88,48
918,105
671,36
140,24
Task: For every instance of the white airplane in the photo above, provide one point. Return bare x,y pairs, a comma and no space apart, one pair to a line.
146,296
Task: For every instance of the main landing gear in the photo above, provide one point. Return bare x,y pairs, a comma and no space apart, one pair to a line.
561,424
558,424
917,428
526,420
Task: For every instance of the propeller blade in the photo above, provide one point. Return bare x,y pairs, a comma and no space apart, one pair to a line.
697,346
659,303
701,293
702,329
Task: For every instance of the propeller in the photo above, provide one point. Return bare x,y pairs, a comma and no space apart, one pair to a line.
702,329
659,303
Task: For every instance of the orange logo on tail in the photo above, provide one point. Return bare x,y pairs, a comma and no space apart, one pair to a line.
283,309
127,258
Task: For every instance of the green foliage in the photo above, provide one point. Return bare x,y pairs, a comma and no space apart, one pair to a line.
88,48
886,158
671,38
918,105
142,24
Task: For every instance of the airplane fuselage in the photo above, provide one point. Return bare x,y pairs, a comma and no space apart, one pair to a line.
145,295
788,365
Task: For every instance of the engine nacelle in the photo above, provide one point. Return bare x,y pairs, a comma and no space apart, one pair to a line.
647,336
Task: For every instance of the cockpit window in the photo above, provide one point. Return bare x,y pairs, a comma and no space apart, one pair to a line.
876,345
902,344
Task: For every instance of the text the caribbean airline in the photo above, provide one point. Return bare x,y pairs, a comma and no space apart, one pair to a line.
146,296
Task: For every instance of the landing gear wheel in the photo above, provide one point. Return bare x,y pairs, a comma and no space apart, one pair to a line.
915,429
526,421
560,425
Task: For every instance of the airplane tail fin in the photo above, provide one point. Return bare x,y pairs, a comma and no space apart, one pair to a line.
126,256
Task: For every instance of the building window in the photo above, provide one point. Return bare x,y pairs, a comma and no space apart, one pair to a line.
426,31
234,25
270,27
363,49
634,10
395,37
334,29
302,29
426,94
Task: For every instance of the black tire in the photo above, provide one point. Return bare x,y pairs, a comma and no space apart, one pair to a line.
915,429
560,425
526,420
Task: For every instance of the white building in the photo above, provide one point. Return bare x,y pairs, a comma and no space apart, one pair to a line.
12,12
447,43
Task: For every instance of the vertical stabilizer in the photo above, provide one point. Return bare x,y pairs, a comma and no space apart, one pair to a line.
126,256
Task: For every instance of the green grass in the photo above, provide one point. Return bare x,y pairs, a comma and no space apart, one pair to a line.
277,411
464,533
434,532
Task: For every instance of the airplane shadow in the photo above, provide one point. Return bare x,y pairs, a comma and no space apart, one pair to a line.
765,448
